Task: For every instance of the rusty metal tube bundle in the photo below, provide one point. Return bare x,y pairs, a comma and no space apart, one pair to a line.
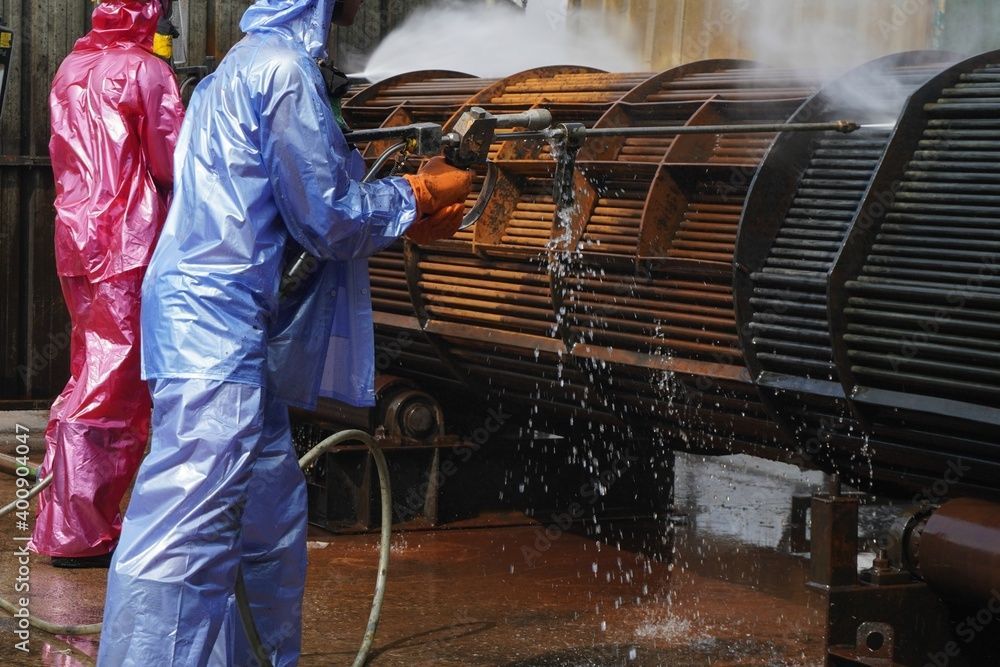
730,292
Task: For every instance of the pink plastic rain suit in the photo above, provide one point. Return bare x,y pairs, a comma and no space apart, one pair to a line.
116,114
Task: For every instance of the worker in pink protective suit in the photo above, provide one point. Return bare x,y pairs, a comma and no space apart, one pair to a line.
116,115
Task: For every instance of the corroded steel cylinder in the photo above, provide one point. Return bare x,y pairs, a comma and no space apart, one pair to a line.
957,550
825,299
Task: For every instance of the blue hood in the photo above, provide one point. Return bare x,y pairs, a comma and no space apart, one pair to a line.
304,21
261,160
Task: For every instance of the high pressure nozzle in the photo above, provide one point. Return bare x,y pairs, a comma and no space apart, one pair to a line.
847,126
536,119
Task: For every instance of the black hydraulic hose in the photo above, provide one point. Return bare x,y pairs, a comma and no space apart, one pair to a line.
384,548
246,619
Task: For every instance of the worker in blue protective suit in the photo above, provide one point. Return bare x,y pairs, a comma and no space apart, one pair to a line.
260,163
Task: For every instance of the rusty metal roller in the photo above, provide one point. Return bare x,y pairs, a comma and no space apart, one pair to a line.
917,288
796,221
508,317
616,327
649,300
458,288
726,293
955,548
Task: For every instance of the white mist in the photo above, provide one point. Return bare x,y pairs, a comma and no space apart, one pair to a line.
499,40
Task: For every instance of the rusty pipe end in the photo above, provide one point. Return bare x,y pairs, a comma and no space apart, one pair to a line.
903,546
955,548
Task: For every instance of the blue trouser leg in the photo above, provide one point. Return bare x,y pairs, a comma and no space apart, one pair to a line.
170,584
274,547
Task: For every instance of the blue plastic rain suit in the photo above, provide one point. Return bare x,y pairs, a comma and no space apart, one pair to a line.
260,161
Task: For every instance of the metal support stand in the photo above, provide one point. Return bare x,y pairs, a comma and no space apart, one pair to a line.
409,425
881,617
345,496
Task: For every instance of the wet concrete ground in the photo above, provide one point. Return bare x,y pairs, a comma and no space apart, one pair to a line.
34,421
725,590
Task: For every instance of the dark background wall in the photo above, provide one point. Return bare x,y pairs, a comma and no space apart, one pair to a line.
32,315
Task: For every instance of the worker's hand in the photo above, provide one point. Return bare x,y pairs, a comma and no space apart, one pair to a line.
438,185
441,225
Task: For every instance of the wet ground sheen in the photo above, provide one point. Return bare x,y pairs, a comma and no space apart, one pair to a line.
724,588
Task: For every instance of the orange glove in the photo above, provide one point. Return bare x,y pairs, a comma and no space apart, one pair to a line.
441,225
438,185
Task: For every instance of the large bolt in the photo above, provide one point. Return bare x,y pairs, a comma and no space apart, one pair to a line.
418,420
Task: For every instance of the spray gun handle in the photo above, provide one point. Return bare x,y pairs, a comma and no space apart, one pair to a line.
475,131
485,195
469,143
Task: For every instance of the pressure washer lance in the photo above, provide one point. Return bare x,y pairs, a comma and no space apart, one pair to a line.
562,131
466,146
